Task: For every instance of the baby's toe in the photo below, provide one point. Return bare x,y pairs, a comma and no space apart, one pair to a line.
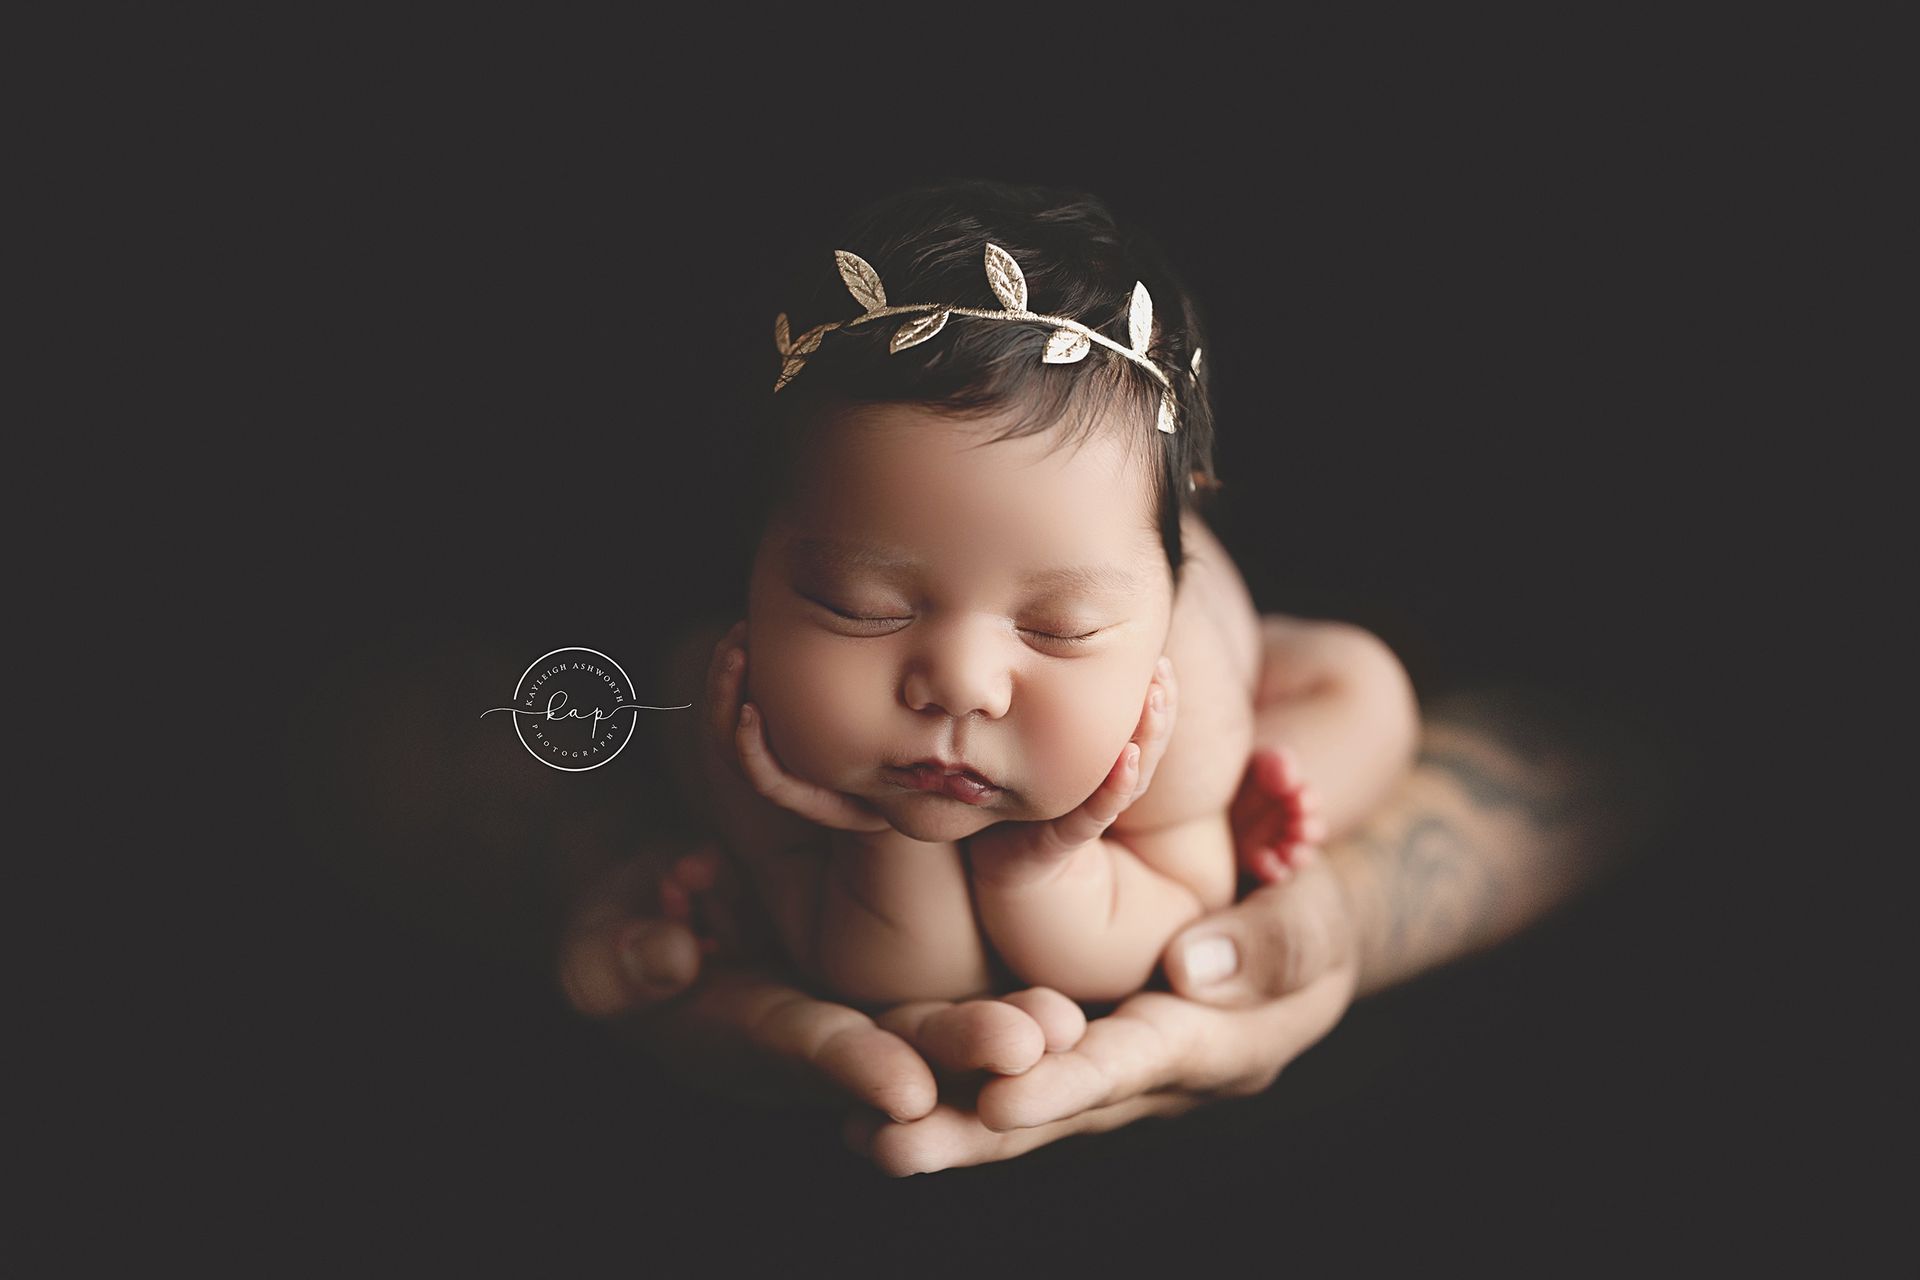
983,1035
1270,866
1061,1021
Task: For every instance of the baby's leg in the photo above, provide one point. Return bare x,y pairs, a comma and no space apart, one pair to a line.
1336,709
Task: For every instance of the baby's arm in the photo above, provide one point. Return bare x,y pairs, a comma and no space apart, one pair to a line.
1070,907
877,916
1092,922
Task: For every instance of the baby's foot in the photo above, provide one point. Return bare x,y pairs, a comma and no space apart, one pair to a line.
1003,1037
1276,823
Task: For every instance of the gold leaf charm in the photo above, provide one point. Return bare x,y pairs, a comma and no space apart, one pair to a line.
1008,281
863,282
917,330
1140,318
1194,364
1066,347
1166,413
797,351
781,341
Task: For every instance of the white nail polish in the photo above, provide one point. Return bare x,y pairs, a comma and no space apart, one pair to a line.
1211,959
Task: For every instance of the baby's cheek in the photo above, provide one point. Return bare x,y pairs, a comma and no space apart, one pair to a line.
819,707
1076,730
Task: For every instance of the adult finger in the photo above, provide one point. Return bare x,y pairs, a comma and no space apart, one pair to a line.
1157,1042
1144,1046
762,1035
950,1137
1277,940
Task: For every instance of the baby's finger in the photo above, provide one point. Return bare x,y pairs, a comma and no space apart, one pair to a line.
1097,812
1156,726
726,672
815,803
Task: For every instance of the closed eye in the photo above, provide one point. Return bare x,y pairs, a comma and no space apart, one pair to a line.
1082,638
838,612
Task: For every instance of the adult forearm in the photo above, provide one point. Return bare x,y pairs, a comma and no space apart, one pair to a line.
1514,806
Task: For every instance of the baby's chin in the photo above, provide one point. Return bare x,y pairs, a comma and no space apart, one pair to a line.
936,818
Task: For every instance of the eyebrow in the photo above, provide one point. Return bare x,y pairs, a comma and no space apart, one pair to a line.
1080,577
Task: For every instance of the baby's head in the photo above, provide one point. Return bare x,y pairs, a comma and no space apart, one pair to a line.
968,554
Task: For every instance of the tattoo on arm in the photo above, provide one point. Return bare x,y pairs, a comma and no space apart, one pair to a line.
1500,821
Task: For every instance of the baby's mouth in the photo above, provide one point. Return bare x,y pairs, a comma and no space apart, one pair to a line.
965,785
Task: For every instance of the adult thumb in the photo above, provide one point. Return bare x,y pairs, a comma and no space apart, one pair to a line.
1267,946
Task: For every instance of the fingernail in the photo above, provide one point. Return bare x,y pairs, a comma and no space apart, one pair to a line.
1157,700
746,716
1164,667
1211,959
734,658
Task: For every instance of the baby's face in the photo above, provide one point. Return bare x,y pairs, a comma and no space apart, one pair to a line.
919,600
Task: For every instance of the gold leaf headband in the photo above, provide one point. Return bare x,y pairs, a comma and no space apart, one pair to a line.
1069,342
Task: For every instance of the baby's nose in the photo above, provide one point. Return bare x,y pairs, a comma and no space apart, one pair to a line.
960,672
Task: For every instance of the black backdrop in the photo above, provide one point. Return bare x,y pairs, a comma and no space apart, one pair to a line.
1478,337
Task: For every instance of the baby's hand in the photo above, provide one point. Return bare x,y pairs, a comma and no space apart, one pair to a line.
1275,818
738,736
996,848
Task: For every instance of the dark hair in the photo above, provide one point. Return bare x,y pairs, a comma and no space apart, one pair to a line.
928,245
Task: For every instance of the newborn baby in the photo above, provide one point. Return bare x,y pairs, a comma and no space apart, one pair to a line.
977,575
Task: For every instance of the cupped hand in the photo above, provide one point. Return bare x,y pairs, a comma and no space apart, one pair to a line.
739,740
750,1034
1253,986
1007,844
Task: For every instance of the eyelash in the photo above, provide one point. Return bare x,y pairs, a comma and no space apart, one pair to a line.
1083,638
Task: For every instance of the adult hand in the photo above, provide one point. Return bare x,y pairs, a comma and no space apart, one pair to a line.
1159,1054
1253,986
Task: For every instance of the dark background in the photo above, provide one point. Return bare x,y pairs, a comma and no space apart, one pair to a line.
1485,332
